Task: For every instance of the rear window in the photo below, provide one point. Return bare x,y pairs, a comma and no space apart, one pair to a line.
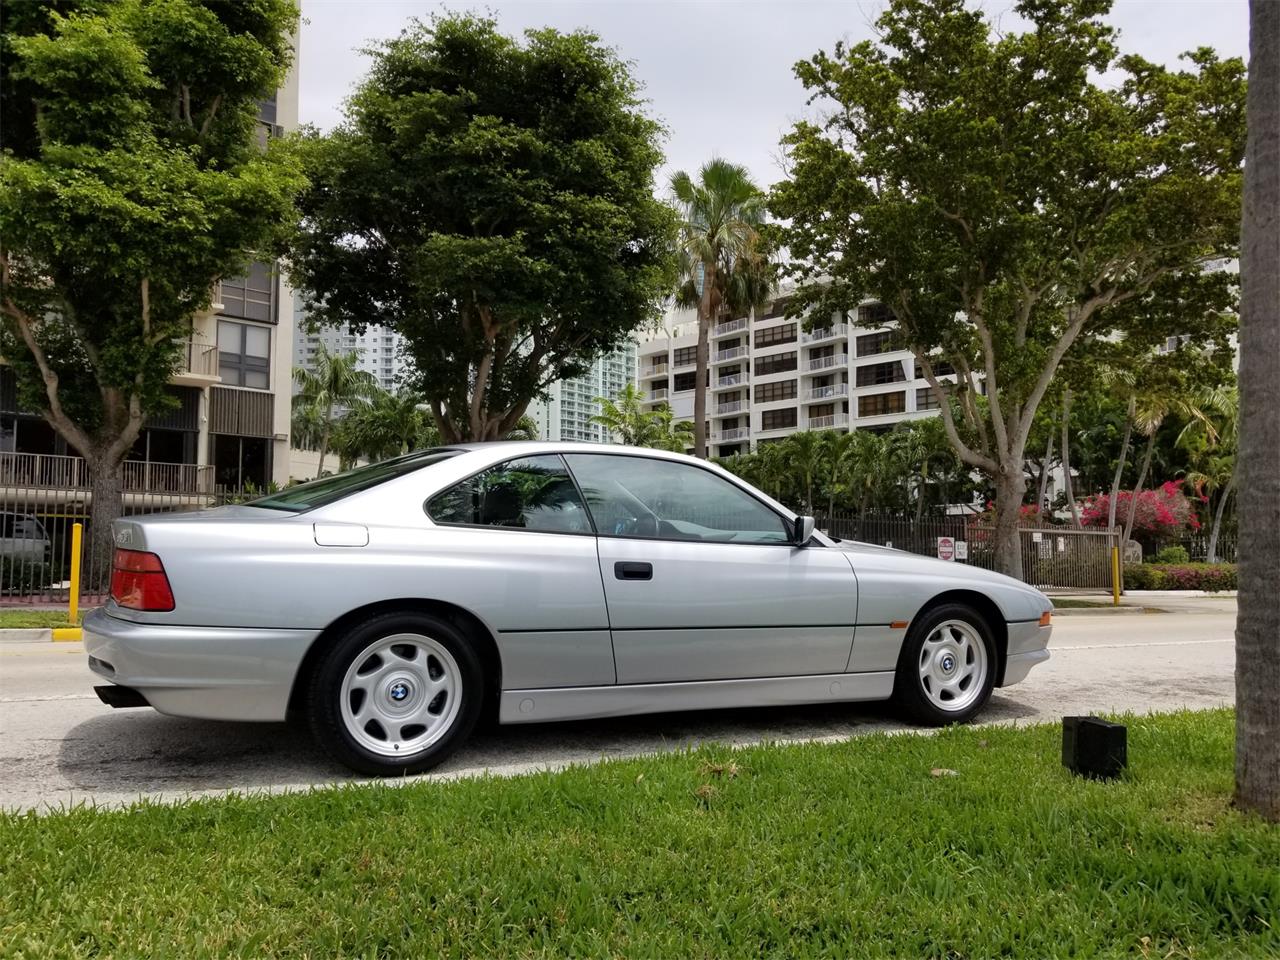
319,493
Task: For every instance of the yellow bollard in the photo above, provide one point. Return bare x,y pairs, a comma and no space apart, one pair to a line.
1115,576
73,598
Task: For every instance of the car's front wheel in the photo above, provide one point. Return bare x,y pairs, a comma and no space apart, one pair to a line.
947,666
396,695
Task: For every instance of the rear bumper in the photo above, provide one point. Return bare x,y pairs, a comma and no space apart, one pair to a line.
214,673
1028,645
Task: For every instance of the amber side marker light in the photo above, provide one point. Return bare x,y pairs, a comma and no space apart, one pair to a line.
1045,618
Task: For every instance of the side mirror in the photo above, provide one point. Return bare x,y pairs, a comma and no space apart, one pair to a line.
802,532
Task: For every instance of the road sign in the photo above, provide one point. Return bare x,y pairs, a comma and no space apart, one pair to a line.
946,548
962,550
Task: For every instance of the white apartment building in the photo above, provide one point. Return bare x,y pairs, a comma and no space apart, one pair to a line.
769,378
378,348
566,413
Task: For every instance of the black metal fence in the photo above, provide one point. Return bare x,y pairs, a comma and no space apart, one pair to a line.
1054,558
35,539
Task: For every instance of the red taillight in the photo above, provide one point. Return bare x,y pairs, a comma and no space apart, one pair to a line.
138,581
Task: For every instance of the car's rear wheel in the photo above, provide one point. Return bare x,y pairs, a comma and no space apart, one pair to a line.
396,695
947,666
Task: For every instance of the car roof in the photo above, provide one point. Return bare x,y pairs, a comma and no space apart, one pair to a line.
513,447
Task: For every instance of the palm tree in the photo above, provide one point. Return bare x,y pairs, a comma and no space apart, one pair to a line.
834,463
626,419
387,425
336,385
721,214
1216,467
526,428
806,453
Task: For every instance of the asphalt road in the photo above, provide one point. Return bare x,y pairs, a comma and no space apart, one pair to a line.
59,745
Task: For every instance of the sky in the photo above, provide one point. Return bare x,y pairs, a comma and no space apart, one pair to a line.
717,73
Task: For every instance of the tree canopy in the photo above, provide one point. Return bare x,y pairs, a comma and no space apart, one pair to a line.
131,180
491,199
1009,209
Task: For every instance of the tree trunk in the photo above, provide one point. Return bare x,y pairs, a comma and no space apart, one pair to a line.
1011,487
700,386
1137,487
1211,555
1124,457
1258,621
106,487
1044,474
1066,459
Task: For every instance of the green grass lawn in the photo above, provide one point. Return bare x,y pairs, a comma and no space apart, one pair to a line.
868,848
12,618
1075,603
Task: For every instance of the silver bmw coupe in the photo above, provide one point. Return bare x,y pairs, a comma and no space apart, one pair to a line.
393,604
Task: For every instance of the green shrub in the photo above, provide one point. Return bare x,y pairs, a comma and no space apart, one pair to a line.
1171,555
23,578
1180,576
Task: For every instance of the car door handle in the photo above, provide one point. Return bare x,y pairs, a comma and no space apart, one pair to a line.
633,570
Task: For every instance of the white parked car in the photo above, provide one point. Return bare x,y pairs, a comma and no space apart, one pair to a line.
550,581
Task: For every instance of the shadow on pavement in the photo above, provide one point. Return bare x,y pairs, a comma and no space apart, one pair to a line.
139,751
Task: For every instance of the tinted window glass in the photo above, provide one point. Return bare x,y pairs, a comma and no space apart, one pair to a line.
317,493
532,493
664,500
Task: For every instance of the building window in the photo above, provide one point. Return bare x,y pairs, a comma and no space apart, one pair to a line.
252,296
926,399
782,390
685,356
684,381
778,364
244,355
874,315
876,374
784,333
778,419
778,308
940,369
240,461
869,344
879,404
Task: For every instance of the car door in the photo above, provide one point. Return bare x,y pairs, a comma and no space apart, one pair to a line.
701,581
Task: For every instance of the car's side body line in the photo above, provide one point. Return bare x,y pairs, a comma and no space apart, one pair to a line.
584,703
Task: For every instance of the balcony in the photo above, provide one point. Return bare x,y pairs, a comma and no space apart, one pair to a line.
826,333
831,390
657,370
654,396
828,422
733,353
826,363
727,409
733,380
728,436
199,364
733,326
47,470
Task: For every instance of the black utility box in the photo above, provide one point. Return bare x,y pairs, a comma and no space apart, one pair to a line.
1094,747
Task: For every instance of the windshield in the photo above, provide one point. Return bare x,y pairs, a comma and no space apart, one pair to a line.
318,493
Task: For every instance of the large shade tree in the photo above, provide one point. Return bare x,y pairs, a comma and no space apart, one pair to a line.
131,180
1258,625
492,200
723,256
1008,207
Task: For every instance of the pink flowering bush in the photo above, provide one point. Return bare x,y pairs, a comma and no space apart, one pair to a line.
1162,513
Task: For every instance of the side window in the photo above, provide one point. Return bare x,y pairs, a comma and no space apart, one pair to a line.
664,500
532,493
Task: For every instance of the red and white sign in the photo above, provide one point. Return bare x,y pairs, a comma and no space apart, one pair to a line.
946,548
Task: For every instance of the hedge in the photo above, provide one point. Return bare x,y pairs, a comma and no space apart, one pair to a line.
1180,576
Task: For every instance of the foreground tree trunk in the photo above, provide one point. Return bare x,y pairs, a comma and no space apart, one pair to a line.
1258,622
106,488
1120,462
1011,487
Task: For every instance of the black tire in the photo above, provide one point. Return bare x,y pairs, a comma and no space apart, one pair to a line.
909,689
325,708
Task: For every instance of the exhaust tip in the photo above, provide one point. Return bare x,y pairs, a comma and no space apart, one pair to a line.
114,695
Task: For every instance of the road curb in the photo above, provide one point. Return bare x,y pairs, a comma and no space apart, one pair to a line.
41,635
1105,611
